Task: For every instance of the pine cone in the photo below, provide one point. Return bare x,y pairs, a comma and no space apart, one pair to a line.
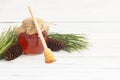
13,52
55,45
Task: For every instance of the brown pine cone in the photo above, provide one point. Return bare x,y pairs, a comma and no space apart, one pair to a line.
13,52
55,45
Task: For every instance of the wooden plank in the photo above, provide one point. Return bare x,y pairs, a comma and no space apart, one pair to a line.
61,10
103,37
68,68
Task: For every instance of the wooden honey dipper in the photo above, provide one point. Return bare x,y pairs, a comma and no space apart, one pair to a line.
49,57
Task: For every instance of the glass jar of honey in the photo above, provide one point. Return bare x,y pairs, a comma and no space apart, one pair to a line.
31,44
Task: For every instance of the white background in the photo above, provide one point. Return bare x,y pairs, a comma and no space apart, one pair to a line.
98,19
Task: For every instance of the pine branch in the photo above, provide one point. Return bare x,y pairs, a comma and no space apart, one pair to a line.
73,42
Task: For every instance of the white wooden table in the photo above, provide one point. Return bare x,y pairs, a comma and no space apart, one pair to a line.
96,18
